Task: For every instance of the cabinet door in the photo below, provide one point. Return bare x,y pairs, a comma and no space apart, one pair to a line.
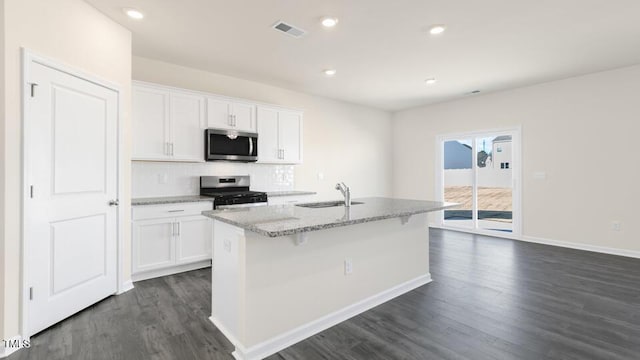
187,127
150,123
290,136
218,113
268,150
153,244
195,234
244,117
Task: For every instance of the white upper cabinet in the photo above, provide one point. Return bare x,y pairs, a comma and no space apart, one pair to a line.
150,123
187,127
268,148
279,136
290,136
244,116
218,113
230,114
168,124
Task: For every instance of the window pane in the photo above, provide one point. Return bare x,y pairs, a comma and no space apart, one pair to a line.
458,182
495,193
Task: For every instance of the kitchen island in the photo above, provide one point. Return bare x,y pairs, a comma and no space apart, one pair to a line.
284,273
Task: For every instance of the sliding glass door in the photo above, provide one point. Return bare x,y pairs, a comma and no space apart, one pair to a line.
478,171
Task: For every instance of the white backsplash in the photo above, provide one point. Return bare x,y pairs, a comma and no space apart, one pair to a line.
153,179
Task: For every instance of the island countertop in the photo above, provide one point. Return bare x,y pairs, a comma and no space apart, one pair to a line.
283,220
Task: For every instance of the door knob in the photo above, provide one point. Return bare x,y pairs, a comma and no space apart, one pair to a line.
114,202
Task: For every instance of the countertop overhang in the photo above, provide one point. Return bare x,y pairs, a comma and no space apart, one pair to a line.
284,220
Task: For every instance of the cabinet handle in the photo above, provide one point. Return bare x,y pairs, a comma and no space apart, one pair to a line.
166,148
171,149
173,229
178,229
234,121
172,211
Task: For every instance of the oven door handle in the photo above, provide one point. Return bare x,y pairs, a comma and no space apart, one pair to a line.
250,146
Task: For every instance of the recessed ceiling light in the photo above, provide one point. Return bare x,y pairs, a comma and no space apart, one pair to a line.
430,81
437,29
133,13
329,72
329,22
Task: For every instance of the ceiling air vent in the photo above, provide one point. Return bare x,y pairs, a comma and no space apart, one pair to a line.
289,29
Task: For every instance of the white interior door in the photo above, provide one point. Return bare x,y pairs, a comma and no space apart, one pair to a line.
70,227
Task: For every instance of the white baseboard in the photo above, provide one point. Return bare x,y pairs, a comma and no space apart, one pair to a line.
283,341
126,286
559,243
170,270
585,247
7,348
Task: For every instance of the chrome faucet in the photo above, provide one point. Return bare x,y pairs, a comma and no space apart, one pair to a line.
346,192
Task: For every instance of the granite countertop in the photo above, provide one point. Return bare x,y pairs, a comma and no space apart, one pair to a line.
289,193
169,200
273,221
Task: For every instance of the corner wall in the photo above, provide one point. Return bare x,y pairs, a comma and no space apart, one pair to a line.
581,131
345,142
73,33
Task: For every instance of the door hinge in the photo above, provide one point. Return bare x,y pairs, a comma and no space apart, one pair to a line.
31,293
31,191
33,89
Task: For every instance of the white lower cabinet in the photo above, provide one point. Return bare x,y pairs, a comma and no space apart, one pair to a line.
169,239
195,233
154,244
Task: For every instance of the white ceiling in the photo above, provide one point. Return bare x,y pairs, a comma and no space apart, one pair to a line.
382,49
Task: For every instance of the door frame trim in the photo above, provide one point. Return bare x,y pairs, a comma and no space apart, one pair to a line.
517,175
29,57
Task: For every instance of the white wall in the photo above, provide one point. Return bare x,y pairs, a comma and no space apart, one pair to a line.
346,142
581,131
74,33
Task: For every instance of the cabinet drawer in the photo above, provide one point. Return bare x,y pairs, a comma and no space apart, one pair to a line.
170,210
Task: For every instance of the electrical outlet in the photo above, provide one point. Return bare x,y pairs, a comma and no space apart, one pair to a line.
227,245
348,266
616,225
162,178
320,176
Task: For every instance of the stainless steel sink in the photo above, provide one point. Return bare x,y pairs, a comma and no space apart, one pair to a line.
327,204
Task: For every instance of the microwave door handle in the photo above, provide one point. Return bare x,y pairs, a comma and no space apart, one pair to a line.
250,146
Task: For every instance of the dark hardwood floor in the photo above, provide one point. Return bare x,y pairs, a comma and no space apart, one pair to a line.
490,299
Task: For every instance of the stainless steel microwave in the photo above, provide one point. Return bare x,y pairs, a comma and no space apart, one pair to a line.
230,145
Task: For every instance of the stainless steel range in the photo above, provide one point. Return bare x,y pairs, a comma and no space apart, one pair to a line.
231,192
